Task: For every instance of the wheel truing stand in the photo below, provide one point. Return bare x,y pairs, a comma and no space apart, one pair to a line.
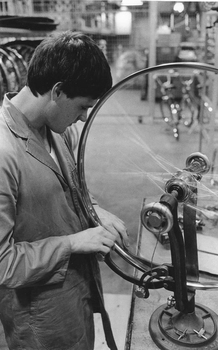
181,324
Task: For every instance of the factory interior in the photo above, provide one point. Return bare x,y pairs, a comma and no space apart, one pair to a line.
148,153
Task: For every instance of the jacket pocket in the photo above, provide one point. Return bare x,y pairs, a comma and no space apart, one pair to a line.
64,319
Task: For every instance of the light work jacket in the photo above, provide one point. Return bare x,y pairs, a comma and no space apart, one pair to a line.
39,207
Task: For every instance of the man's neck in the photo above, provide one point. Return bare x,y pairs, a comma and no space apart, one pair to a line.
33,109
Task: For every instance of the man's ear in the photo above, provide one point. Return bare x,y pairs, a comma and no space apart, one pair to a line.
56,90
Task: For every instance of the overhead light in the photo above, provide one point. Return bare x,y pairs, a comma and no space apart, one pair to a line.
131,3
123,23
178,7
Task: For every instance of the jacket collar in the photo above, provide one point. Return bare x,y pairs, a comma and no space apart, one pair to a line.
15,120
20,126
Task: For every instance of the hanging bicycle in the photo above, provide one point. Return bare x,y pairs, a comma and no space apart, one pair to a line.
178,110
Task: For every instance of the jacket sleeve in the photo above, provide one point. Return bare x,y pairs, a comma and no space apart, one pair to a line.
25,263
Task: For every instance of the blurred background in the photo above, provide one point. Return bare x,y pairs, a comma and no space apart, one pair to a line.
132,33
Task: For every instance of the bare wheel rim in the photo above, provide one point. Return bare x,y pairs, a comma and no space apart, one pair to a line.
85,132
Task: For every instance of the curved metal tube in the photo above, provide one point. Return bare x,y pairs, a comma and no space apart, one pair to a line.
202,286
132,259
126,255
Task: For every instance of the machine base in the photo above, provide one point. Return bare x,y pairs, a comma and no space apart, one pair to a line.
174,330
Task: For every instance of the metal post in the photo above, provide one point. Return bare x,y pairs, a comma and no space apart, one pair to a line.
152,54
214,98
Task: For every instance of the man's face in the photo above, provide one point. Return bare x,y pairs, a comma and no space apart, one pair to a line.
67,111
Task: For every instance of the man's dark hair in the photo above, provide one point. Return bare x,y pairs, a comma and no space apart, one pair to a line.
71,58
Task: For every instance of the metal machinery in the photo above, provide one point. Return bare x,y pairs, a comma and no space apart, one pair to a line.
181,323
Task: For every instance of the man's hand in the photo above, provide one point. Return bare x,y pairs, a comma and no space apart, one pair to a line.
100,239
93,240
113,224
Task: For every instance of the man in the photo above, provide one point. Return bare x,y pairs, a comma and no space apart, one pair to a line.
49,276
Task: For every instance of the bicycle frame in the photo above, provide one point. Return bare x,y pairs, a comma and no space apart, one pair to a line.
174,110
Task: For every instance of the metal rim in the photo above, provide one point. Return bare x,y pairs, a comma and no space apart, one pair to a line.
99,104
84,135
